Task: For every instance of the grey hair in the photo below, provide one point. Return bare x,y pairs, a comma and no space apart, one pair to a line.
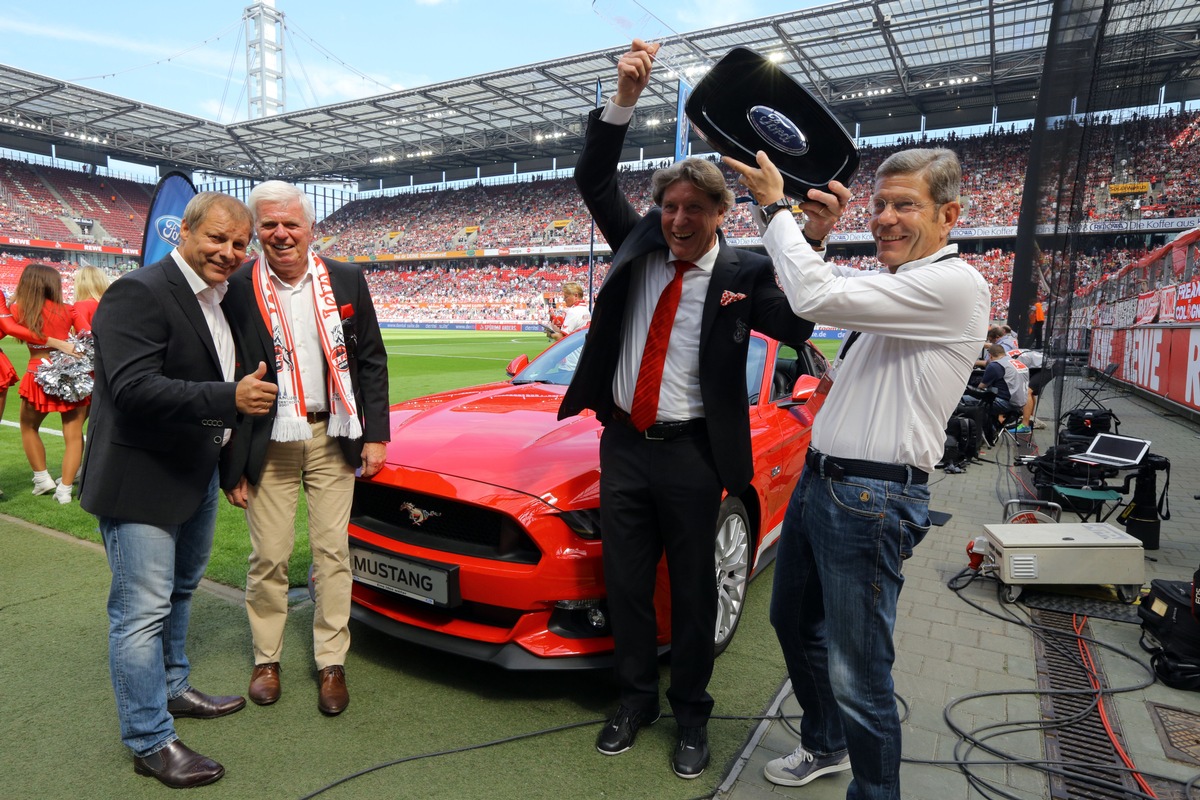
702,174
938,166
281,192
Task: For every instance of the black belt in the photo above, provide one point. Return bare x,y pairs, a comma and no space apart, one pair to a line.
838,468
662,431
317,416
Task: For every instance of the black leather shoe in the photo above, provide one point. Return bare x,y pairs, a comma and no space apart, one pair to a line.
691,751
199,705
179,767
618,733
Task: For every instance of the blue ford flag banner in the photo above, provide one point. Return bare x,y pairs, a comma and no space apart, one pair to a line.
166,211
682,126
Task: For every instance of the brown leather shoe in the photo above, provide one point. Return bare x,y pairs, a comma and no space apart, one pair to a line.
332,695
196,704
179,767
264,683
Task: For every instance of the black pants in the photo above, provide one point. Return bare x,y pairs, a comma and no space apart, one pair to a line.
658,497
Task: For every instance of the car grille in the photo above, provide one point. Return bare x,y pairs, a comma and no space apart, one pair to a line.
478,613
440,524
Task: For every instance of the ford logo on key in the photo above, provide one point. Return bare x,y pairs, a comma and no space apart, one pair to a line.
167,228
778,130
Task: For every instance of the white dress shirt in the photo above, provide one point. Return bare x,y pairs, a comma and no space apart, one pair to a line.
904,376
679,396
299,308
210,298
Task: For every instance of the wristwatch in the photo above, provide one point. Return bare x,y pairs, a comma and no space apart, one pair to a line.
771,209
815,244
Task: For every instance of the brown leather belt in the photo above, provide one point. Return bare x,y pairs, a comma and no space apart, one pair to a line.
317,416
662,431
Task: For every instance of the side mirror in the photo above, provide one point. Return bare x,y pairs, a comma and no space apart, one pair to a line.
802,391
517,364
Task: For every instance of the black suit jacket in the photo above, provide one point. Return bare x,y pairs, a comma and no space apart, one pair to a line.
725,329
160,404
364,345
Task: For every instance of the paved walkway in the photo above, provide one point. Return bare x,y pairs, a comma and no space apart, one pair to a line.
947,649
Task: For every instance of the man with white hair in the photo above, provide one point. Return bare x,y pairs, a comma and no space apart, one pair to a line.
312,321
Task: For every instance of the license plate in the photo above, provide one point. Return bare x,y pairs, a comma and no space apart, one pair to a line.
434,584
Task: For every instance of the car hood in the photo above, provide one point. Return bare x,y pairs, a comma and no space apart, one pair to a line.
500,434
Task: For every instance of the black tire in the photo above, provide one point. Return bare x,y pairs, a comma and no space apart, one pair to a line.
732,560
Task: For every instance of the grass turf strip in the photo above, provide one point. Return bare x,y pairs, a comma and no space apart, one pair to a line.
57,708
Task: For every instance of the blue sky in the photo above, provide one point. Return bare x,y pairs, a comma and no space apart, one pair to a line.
191,57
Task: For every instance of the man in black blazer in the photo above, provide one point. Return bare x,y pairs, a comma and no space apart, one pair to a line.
313,322
661,486
164,403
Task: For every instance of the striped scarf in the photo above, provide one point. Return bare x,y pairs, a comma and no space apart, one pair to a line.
291,422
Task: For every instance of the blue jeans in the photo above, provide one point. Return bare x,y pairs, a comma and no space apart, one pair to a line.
155,569
837,579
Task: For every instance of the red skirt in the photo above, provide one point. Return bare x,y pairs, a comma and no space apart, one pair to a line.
31,391
8,374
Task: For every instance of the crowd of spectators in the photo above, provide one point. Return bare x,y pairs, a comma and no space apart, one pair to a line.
39,201
546,212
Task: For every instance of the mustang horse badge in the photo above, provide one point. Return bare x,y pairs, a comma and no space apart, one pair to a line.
418,515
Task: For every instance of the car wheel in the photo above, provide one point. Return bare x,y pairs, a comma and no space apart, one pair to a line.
733,569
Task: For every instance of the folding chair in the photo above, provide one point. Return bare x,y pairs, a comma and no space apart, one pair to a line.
1090,395
1090,503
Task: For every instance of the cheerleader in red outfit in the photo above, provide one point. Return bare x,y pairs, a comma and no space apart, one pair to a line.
38,306
90,284
9,327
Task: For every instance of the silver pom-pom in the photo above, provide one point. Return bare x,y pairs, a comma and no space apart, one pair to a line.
69,378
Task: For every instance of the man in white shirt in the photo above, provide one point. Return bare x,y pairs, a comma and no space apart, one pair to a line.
577,316
862,502
312,320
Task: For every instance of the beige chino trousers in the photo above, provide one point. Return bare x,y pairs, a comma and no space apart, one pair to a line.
317,465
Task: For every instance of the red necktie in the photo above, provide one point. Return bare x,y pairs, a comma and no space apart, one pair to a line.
649,379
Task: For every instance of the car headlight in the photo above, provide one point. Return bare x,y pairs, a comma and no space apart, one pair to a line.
585,522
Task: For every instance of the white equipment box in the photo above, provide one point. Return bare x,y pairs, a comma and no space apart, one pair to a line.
1066,552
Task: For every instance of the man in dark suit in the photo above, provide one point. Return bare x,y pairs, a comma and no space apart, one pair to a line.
313,322
668,450
163,406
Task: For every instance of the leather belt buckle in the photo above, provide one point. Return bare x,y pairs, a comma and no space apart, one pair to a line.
317,416
650,437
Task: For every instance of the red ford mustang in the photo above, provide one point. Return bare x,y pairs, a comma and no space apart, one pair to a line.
481,534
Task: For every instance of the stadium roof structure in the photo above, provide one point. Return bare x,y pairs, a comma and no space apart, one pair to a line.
881,67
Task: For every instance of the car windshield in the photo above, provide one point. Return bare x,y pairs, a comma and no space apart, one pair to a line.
556,364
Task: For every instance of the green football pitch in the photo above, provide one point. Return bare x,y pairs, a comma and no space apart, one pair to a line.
420,362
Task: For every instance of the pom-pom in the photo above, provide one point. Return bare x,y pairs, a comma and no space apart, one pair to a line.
69,378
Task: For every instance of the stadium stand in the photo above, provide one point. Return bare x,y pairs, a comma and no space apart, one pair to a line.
43,201
47,202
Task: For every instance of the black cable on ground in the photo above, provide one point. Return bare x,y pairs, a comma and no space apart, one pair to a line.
980,738
983,738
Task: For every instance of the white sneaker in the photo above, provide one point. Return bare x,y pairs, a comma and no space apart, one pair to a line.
44,486
1038,424
802,766
62,493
